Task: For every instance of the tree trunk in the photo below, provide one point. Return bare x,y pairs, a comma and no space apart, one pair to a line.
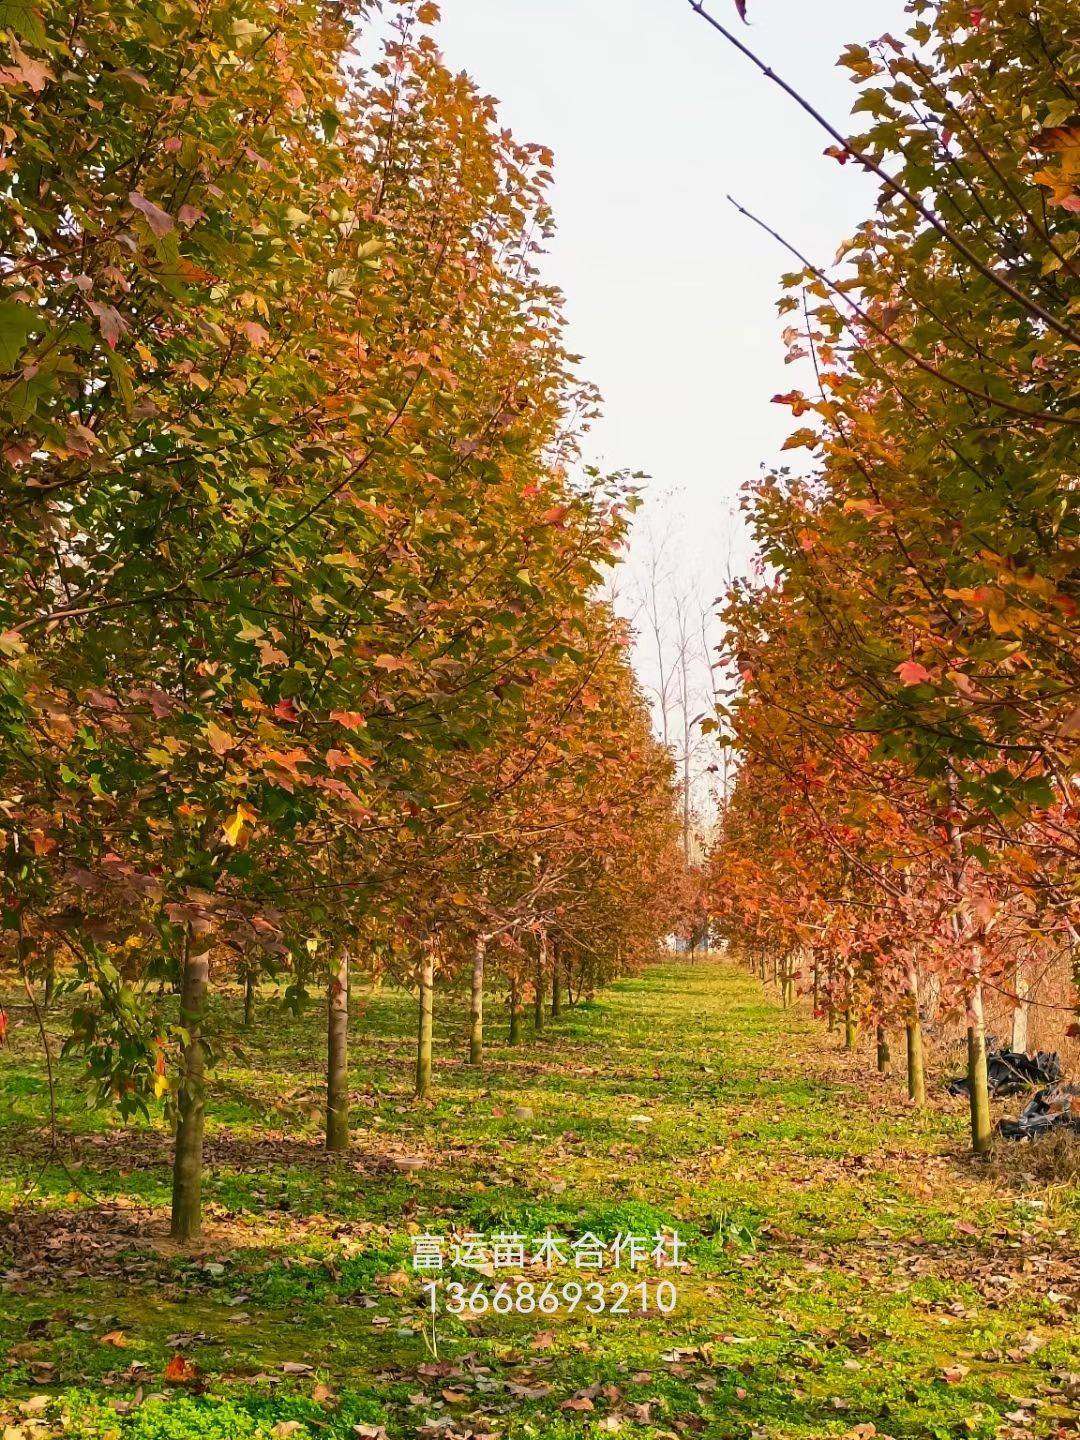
884,1054
916,1076
423,1038
930,999
515,1014
476,1009
978,1089
249,1000
191,1098
337,1057
916,1071
556,987
789,982
538,1000
851,1030
50,978
817,989
1019,1041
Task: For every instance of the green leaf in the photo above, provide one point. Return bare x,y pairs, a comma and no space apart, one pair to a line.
121,373
17,322
17,15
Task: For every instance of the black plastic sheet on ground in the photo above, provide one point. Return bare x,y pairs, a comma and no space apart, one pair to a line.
1056,1107
1008,1072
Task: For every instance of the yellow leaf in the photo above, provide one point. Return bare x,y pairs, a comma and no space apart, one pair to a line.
234,829
221,742
1007,622
11,643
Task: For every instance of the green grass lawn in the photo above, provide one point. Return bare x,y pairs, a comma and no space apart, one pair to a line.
850,1271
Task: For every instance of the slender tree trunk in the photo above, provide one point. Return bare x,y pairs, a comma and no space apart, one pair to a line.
50,978
515,1014
337,1057
556,986
423,1037
978,1088
476,1009
789,982
191,1099
817,988
1019,1041
832,1017
249,1000
687,725
931,999
884,1054
851,1030
916,1070
538,999
916,1075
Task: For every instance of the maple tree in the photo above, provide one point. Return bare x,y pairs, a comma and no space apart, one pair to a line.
908,659
571,868
288,431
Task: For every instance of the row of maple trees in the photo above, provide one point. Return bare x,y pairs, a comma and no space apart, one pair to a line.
905,663
302,668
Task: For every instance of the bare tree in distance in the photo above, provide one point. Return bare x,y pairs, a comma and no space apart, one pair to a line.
674,616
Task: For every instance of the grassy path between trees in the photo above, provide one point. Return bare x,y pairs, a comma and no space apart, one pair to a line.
851,1271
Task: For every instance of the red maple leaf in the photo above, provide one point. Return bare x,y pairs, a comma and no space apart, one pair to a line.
180,1370
912,673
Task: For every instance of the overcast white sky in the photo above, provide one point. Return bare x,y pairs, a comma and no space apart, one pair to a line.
671,295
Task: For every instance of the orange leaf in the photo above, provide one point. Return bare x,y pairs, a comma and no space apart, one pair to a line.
349,718
180,1370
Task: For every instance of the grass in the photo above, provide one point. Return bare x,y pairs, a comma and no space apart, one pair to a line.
849,1267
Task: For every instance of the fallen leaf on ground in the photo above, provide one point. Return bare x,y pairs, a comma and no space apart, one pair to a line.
179,1370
